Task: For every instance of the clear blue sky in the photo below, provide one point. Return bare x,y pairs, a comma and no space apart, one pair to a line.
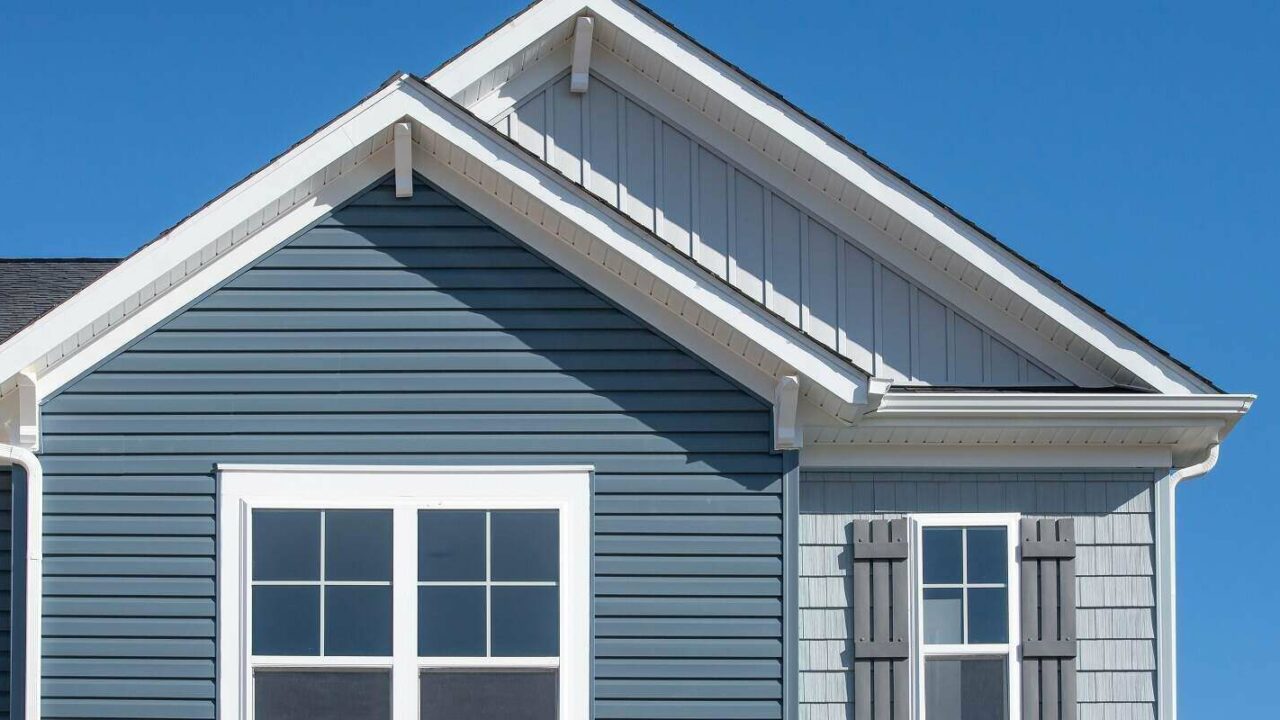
1130,148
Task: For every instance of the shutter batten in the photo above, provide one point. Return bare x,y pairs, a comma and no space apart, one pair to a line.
881,617
1048,615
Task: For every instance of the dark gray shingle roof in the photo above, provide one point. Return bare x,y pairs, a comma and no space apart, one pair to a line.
31,287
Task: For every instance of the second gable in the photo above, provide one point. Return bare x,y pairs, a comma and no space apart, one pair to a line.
761,242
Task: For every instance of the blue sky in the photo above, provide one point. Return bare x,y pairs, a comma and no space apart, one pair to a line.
1129,148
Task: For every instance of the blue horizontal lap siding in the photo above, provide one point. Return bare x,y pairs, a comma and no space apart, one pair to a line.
6,589
410,332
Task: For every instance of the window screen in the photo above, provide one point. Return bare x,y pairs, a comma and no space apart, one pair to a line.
322,695
488,695
965,689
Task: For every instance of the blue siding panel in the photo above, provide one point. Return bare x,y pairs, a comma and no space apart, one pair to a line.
436,340
6,590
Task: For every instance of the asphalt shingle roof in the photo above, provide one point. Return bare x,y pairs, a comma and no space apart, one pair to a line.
31,287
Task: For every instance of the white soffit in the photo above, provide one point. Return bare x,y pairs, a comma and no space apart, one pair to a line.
937,240
469,159
1181,426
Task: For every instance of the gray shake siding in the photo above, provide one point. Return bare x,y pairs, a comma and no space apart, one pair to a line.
1114,566
411,332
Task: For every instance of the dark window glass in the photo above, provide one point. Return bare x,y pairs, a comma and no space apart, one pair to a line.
526,545
286,545
488,695
451,545
988,550
357,620
322,695
286,620
943,616
988,615
451,621
525,622
357,545
964,689
942,556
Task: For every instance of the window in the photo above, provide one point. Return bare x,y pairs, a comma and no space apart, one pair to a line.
402,593
966,584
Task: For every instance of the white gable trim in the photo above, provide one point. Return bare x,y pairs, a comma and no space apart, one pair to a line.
818,157
496,178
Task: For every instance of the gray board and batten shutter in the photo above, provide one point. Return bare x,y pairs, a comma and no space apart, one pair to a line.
1048,579
881,618
881,596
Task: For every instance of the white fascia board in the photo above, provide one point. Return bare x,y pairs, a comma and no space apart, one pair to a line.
818,457
1014,405
998,263
179,245
464,132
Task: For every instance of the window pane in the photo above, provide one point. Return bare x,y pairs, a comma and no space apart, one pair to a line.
943,616
322,695
526,545
451,621
988,555
526,621
942,556
451,545
965,689
357,545
286,620
488,695
988,615
357,620
286,545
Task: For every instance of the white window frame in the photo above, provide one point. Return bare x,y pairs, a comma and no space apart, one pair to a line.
405,490
1009,650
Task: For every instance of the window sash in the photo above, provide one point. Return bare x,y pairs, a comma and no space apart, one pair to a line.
404,491
1006,651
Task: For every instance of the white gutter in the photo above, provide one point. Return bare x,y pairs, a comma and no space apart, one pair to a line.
1167,583
33,610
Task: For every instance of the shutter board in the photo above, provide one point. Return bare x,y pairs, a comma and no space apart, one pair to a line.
1048,613
881,616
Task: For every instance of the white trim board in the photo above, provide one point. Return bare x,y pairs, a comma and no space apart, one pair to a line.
404,490
824,161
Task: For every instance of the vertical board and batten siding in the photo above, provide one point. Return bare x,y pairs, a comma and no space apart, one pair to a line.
1115,584
761,242
412,332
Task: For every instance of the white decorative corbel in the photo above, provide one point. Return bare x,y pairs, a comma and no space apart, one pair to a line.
404,160
581,69
786,401
20,413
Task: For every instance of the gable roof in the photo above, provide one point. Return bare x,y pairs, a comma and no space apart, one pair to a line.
30,287
472,161
1016,292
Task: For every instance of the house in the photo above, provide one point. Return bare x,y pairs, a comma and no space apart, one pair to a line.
586,377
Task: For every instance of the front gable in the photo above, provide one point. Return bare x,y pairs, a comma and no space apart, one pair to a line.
899,224
765,244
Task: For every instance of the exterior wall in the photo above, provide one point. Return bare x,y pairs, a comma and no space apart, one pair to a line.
411,332
1115,577
6,590
764,244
